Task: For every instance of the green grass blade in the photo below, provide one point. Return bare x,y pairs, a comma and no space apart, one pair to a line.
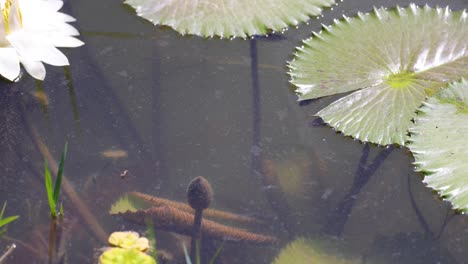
50,194
58,180
218,251
8,220
61,209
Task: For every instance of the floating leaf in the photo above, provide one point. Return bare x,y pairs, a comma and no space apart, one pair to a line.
395,59
239,18
125,256
303,251
439,145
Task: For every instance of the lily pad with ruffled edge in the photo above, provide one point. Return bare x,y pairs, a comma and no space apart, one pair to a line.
394,58
439,143
125,256
129,239
226,19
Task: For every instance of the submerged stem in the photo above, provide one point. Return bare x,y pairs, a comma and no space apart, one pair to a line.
196,234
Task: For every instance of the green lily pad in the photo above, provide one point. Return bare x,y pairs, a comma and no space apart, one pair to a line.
305,251
439,144
241,18
125,256
394,58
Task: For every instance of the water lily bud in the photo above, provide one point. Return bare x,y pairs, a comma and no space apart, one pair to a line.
199,193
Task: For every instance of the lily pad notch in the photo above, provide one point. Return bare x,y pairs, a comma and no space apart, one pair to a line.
228,19
391,60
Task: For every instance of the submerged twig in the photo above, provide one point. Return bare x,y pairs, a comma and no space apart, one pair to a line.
28,247
9,250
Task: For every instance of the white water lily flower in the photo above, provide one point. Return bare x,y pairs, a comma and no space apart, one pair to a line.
30,31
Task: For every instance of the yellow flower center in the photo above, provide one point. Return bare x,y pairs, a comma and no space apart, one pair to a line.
6,15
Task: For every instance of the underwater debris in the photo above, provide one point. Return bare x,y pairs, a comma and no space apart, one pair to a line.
209,213
40,96
171,219
114,154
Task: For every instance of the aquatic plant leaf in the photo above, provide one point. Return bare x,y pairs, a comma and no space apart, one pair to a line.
216,254
439,145
125,256
304,251
7,220
58,179
151,238
128,203
241,18
49,189
394,58
129,239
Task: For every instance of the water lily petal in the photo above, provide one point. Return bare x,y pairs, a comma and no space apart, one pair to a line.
9,63
49,25
35,68
42,5
64,41
36,50
64,17
53,56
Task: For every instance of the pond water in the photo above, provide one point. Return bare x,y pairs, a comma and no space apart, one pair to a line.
180,107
